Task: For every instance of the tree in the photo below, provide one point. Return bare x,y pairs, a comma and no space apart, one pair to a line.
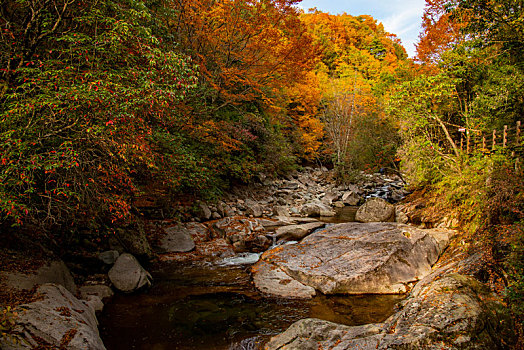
441,29
86,86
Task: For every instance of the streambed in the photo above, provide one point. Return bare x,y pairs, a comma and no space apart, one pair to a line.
215,306
209,306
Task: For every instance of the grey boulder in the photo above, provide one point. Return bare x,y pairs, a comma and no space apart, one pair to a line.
376,210
57,318
176,239
127,275
350,198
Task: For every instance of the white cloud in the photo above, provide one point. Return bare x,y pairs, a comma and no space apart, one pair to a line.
405,22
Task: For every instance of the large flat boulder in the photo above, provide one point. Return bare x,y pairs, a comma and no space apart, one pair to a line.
354,258
270,279
452,312
58,320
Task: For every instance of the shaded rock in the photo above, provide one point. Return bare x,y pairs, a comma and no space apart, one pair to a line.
133,240
400,216
316,209
353,258
58,319
100,290
257,245
108,257
225,210
203,212
127,275
94,302
350,198
330,196
177,239
375,210
270,279
280,210
256,210
297,232
52,272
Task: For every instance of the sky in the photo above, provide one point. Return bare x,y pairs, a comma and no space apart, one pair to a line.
400,17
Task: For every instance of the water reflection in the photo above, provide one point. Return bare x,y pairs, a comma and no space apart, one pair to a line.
212,307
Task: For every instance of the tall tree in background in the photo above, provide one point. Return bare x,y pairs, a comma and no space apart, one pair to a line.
441,29
357,66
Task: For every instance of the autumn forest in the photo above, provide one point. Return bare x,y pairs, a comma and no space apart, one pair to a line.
109,105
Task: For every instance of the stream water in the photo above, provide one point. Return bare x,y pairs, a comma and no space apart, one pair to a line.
215,306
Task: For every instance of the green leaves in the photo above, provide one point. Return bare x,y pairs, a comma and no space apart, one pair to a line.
78,113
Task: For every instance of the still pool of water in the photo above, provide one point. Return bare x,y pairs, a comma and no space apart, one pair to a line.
204,306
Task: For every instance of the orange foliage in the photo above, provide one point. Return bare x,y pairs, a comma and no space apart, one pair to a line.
441,29
358,42
247,50
303,100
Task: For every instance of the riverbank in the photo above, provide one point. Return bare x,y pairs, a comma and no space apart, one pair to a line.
249,221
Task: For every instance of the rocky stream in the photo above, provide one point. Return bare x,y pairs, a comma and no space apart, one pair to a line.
294,263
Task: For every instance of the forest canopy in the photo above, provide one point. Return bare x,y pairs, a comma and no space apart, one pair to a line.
104,103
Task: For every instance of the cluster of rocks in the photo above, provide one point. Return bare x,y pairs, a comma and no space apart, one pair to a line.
380,256
61,314
310,192
253,217
448,309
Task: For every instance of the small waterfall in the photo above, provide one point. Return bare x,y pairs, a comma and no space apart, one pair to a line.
240,259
